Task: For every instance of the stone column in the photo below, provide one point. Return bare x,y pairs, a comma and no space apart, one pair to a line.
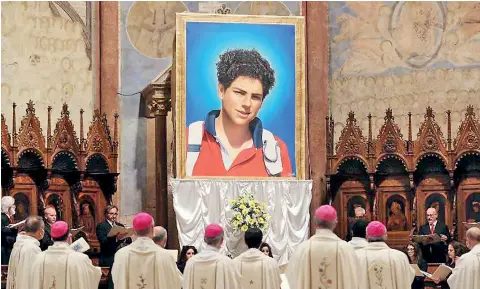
156,103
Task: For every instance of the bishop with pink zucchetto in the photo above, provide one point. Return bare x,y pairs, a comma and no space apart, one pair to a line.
381,266
210,269
144,264
61,267
325,260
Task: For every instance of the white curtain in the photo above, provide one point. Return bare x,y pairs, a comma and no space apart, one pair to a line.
199,202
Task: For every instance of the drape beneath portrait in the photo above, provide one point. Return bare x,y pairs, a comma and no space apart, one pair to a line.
198,202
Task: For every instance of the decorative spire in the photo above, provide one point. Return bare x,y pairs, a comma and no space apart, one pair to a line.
449,132
409,143
389,115
14,126
369,151
30,107
81,130
65,112
49,128
429,113
351,117
470,111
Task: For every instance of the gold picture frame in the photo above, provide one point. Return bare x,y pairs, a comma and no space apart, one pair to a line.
298,24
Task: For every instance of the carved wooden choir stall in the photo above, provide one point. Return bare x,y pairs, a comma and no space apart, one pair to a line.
396,180
76,176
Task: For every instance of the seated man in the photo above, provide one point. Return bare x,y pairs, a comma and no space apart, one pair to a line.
257,269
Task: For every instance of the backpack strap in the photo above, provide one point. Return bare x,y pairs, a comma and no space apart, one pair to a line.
195,135
271,150
271,154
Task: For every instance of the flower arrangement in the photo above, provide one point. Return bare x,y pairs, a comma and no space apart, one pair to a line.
248,213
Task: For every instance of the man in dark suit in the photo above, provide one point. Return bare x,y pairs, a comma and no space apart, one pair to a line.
9,234
436,252
50,217
109,245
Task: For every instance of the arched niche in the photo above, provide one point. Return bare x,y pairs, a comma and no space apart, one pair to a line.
350,189
23,206
433,189
467,175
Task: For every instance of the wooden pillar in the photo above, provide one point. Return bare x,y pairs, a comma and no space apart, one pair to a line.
156,101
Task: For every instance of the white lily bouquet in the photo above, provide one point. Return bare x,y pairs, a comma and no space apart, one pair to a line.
248,213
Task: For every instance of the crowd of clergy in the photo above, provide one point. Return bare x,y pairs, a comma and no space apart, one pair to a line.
324,261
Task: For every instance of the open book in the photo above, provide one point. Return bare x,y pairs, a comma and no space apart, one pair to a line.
426,239
17,224
121,230
75,231
80,245
440,274
471,225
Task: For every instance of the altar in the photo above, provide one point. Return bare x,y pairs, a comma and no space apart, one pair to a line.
198,203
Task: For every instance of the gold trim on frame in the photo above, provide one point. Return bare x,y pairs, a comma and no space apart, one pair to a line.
180,87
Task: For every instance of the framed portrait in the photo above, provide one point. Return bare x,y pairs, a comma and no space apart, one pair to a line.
240,96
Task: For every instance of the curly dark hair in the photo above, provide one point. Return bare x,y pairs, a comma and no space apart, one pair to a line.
242,62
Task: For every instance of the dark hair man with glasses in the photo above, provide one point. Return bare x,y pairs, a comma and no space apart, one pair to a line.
108,245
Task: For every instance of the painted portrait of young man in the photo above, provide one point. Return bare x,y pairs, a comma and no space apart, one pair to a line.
232,140
240,100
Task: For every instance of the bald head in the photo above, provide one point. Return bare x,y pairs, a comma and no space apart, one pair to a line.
35,227
160,236
473,237
432,215
50,215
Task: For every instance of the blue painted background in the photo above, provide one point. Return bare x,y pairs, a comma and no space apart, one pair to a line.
276,43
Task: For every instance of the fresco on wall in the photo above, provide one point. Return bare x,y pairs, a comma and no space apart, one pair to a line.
403,55
141,65
46,58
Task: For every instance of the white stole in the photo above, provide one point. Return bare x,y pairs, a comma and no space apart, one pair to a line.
23,253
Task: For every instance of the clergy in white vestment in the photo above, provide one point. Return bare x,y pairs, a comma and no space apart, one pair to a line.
144,264
61,267
324,261
359,240
381,266
258,270
210,269
466,274
24,251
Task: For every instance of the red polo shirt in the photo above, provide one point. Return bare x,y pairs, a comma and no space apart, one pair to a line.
248,163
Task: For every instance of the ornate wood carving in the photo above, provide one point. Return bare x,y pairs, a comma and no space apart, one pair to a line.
351,144
6,138
54,168
432,170
30,134
468,134
64,135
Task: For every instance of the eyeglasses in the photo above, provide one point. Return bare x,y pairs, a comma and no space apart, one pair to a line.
113,214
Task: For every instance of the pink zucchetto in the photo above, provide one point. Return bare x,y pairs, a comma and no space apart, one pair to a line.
142,221
213,230
59,229
376,229
326,213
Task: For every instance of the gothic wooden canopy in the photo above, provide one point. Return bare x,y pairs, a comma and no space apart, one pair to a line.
409,162
59,158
